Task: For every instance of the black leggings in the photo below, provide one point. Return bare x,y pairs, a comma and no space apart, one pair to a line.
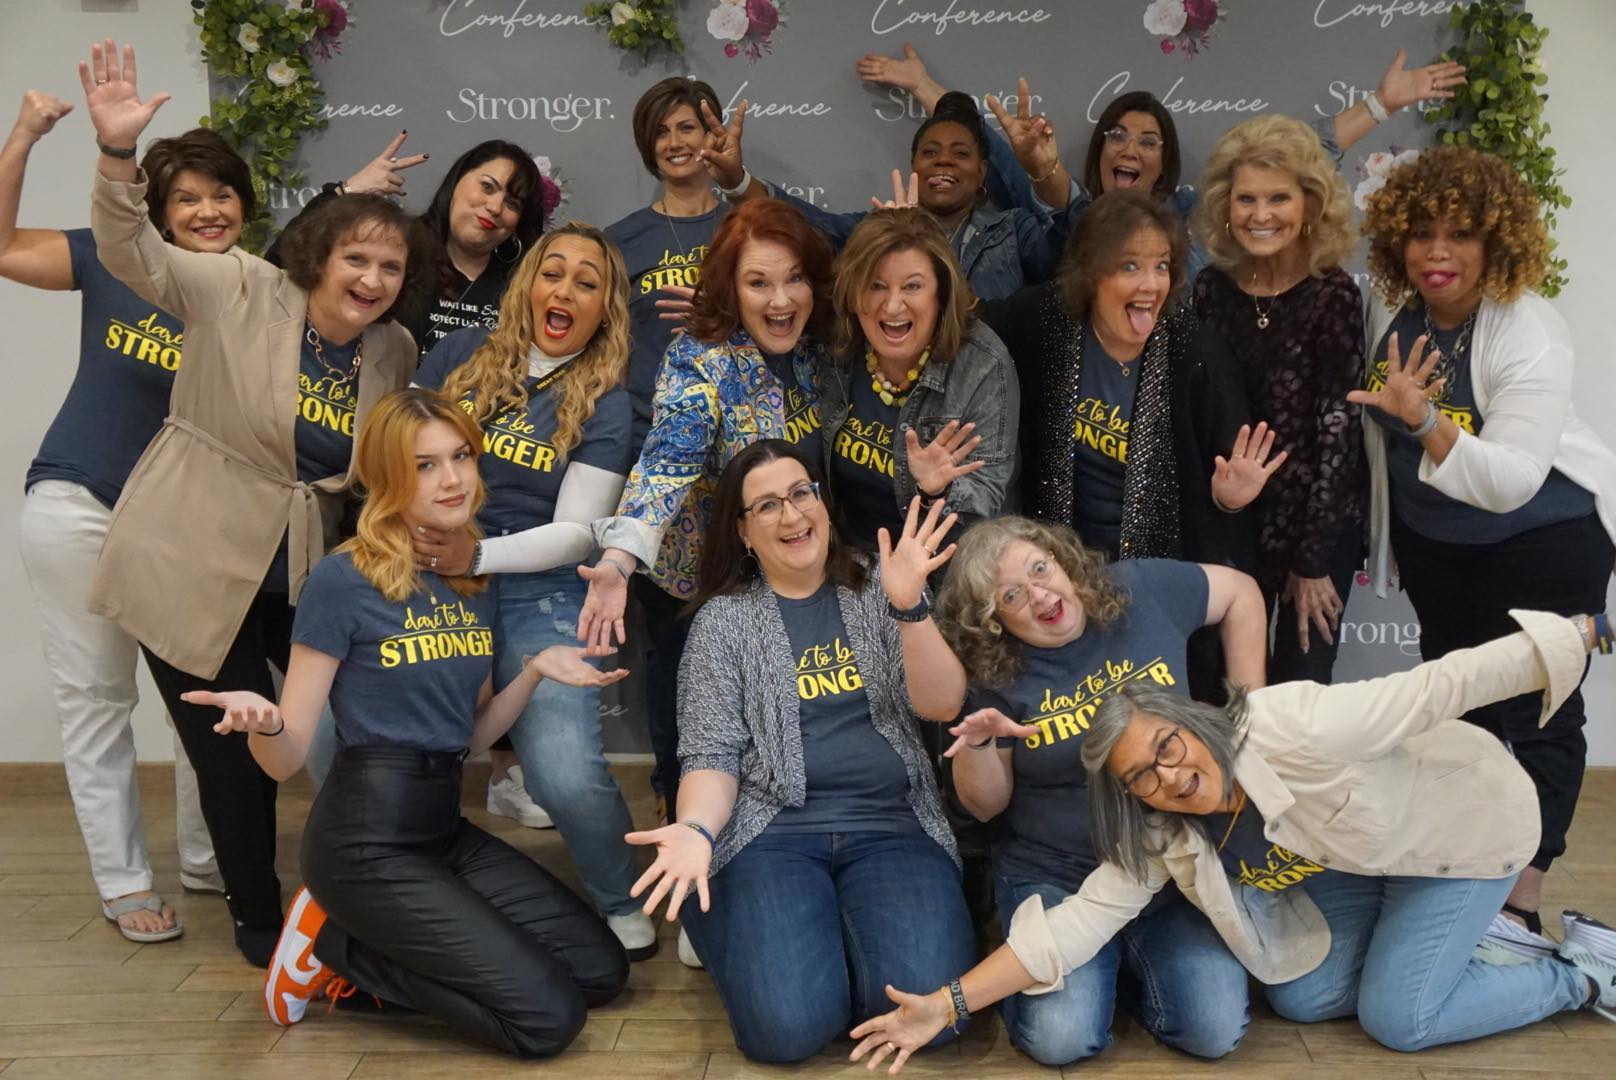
238,800
1462,594
428,911
666,628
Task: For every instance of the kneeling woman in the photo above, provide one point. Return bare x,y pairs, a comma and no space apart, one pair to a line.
806,794
425,909
1351,844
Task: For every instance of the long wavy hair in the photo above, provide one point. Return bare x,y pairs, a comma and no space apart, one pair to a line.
494,377
966,604
384,457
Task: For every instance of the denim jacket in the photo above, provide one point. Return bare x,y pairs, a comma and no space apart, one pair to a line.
979,385
712,401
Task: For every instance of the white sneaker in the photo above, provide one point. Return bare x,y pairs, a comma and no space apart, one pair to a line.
687,951
1590,933
508,798
1596,968
637,933
1507,942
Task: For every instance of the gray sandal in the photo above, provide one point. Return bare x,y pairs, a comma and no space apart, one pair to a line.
126,905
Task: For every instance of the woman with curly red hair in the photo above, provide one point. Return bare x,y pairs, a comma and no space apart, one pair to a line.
1489,490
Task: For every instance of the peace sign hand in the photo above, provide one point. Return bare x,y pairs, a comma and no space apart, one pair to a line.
1410,388
722,154
937,465
901,199
116,111
1031,137
381,174
1240,478
906,565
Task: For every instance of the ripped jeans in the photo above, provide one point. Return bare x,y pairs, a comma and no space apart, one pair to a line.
558,737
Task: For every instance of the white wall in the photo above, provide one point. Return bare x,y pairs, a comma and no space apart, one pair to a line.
44,39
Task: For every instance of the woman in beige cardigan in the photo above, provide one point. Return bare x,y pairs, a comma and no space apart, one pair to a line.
237,495
1350,843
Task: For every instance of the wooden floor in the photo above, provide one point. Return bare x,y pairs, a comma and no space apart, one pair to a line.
77,1000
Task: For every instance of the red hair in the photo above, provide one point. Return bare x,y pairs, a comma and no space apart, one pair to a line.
717,311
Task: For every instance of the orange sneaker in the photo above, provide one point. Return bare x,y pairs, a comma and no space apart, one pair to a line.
296,976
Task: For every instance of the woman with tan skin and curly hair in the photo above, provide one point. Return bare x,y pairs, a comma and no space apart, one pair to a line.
1274,217
546,386
1485,485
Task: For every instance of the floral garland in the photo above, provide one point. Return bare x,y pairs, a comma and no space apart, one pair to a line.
638,27
263,49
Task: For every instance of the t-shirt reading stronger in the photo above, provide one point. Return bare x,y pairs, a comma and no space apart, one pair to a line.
327,395
520,467
856,780
410,671
1253,860
1046,838
1100,444
862,468
798,407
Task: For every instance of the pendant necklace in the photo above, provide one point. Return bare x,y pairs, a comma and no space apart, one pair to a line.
1262,316
1241,805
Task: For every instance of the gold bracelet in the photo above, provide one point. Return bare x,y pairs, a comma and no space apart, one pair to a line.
1053,169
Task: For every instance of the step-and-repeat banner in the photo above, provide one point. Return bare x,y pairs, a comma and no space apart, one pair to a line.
537,72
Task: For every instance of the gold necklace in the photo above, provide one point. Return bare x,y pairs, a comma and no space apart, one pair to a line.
1239,806
312,336
1262,316
892,393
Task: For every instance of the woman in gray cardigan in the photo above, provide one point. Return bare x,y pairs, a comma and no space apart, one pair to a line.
806,798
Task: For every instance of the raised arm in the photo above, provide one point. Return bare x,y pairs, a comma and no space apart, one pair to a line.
1399,88
36,257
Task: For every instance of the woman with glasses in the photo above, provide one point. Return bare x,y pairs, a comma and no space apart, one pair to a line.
1033,632
809,825
1350,843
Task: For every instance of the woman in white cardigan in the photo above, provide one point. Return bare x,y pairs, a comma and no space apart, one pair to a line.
1486,487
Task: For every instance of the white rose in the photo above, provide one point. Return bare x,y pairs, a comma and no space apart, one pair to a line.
1378,164
622,13
727,22
247,37
1405,158
281,73
543,162
1165,17
1360,195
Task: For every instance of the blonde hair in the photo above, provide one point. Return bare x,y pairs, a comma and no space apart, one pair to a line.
384,457
495,375
886,232
965,606
1276,142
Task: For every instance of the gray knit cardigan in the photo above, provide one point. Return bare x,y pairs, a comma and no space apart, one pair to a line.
738,709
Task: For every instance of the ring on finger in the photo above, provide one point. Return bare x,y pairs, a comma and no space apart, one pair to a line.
433,563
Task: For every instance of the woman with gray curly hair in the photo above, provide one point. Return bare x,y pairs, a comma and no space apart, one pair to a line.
1351,844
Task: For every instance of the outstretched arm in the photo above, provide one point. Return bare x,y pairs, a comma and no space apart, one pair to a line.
278,736
1399,88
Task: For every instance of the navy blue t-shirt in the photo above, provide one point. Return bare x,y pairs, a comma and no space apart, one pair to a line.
1104,412
856,780
1046,837
658,250
1253,860
410,671
327,396
862,467
798,407
520,467
1422,507
129,351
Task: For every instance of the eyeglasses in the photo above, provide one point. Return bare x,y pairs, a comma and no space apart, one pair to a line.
1016,596
1147,781
769,508
1149,143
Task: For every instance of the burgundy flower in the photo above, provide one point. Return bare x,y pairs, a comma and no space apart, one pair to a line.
551,197
1200,14
763,16
336,17
1167,45
731,50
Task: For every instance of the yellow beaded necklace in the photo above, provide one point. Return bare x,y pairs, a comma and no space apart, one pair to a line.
892,393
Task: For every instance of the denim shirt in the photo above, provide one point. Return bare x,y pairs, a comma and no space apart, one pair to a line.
978,386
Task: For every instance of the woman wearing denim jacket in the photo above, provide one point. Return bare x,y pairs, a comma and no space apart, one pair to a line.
807,798
921,397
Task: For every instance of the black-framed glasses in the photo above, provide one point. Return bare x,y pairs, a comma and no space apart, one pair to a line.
770,507
1149,142
1147,781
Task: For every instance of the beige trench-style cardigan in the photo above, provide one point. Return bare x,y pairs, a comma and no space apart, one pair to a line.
203,511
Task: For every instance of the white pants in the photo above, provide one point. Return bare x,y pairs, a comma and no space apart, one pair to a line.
92,668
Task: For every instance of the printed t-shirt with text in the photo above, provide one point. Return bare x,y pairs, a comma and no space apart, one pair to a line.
862,466
1253,860
1104,412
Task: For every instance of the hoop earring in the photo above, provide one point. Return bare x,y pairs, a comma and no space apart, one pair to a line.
512,258
756,567
1226,230
1307,228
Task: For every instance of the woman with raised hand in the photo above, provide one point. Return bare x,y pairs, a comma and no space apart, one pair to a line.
1350,843
406,900
1275,217
129,351
545,385
1487,488
809,859
279,368
1033,633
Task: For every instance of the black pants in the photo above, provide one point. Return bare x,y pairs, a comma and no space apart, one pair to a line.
428,911
666,627
238,800
1286,660
1462,594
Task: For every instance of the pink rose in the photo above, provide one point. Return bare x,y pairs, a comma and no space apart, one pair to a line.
732,50
1200,14
1167,45
763,15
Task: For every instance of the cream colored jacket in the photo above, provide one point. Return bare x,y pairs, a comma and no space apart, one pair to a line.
1371,777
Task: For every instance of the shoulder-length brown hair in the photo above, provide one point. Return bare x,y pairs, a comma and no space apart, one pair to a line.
200,150
384,458
1102,232
308,242
969,596
495,375
886,232
717,308
724,566
1134,101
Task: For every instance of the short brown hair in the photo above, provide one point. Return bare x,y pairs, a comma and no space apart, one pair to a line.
202,150
1102,232
886,232
717,312
655,105
308,241
1465,187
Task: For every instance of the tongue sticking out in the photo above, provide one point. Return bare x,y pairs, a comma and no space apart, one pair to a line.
1141,319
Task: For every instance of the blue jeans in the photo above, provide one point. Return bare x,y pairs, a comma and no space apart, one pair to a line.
1181,983
806,930
1401,957
558,739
